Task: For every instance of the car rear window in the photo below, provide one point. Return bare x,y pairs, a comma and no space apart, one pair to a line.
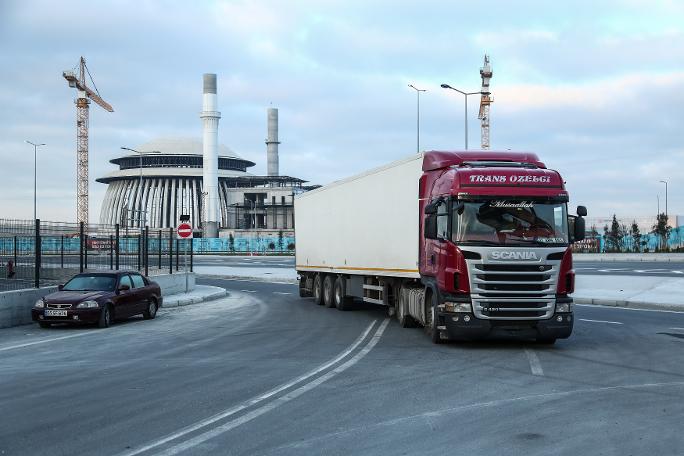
138,281
91,283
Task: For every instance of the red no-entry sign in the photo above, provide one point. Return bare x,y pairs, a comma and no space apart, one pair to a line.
184,231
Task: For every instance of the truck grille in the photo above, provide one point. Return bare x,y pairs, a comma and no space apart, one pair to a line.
513,291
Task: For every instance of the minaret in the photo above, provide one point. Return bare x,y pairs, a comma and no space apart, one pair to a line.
272,142
210,118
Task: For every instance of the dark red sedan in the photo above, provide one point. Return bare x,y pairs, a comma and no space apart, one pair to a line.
99,298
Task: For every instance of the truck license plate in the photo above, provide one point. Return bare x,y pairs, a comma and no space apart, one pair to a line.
55,313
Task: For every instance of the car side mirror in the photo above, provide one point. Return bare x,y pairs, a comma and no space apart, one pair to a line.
60,287
582,211
123,287
430,227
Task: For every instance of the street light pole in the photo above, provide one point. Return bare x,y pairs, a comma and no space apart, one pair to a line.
665,182
417,115
35,174
465,97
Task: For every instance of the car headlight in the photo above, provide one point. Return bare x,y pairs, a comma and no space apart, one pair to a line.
39,304
87,305
458,307
564,307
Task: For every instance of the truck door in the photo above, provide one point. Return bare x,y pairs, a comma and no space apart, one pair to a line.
435,249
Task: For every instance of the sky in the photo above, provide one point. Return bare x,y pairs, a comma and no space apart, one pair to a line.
595,88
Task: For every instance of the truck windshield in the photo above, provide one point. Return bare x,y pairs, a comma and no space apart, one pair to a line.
507,222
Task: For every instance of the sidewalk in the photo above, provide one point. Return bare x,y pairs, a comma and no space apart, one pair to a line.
662,293
201,293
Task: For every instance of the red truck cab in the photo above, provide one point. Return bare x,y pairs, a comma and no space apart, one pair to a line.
495,242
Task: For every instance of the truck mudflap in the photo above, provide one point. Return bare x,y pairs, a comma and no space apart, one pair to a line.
464,326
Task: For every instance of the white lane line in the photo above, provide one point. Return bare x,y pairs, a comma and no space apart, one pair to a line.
248,291
255,400
678,329
279,401
601,321
630,308
44,341
281,293
535,364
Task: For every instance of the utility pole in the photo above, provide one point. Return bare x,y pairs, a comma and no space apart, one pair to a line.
35,175
417,115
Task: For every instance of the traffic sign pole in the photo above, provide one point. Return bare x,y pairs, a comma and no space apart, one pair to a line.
184,231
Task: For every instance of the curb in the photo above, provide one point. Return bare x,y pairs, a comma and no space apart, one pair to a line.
196,299
641,305
248,278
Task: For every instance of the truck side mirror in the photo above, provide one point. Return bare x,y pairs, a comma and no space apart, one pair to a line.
430,227
580,228
431,208
581,211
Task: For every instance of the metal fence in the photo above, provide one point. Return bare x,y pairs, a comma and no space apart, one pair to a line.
38,253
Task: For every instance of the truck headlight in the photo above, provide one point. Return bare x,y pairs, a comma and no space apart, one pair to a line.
564,307
39,304
461,307
87,305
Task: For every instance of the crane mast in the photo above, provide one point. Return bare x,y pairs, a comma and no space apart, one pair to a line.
485,101
78,81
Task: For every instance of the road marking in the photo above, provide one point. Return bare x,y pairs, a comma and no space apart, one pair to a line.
282,292
43,341
248,291
629,308
601,321
279,401
255,400
535,364
678,329
613,269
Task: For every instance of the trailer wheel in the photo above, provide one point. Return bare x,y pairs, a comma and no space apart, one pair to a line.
318,290
342,302
328,285
303,292
431,318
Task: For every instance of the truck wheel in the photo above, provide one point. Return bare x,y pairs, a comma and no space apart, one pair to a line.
405,320
431,320
546,340
342,302
303,292
328,285
318,290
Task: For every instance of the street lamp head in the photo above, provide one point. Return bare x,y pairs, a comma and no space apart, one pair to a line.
664,182
446,86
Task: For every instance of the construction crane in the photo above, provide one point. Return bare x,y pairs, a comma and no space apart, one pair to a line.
77,80
485,101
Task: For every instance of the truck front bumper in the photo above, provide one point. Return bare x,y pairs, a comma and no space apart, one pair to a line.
466,326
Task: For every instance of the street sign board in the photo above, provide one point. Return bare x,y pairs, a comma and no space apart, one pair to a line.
184,231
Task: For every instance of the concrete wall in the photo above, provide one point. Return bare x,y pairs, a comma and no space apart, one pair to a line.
15,306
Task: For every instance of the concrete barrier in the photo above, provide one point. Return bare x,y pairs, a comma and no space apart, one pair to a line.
174,283
664,257
15,305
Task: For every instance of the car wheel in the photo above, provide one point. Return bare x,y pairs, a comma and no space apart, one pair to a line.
151,311
328,285
318,290
43,324
105,317
342,302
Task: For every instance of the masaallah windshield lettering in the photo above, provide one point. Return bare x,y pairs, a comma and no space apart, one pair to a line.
514,179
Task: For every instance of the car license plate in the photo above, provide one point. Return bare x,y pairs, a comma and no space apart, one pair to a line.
55,313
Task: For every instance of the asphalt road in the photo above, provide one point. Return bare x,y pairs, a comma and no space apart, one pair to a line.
265,372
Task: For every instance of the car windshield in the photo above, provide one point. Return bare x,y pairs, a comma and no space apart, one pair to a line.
91,283
508,222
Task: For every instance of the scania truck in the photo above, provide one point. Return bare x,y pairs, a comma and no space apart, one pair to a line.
466,244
